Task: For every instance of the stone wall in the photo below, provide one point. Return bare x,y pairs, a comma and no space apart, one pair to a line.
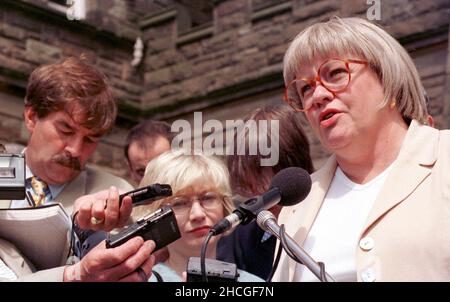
225,68
239,59
31,35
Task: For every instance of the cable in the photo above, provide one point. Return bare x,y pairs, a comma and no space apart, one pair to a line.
283,241
322,277
275,265
72,234
203,255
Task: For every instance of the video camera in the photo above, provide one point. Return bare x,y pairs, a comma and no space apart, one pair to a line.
12,175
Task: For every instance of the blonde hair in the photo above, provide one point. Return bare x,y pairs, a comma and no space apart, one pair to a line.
181,170
357,37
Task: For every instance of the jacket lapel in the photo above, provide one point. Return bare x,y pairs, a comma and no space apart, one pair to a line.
413,165
305,213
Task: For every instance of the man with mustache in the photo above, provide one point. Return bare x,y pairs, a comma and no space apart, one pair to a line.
68,108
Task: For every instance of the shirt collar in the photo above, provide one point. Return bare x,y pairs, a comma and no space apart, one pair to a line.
54,189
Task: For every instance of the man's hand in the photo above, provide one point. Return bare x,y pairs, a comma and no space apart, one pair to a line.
101,211
130,262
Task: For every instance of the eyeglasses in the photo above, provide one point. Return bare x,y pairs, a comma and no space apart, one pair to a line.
333,74
182,205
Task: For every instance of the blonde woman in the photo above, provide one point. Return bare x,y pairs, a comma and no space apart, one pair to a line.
201,197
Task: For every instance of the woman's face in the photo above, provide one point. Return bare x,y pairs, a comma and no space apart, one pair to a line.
197,208
350,116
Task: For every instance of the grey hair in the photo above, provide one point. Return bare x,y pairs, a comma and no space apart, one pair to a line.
357,37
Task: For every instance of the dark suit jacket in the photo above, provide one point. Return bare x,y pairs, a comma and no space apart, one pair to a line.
244,248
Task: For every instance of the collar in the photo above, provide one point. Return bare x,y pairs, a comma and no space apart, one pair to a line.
54,189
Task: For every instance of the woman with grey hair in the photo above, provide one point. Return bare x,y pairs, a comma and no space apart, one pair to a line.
379,209
201,197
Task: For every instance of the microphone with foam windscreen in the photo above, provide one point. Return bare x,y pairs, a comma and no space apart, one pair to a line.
288,187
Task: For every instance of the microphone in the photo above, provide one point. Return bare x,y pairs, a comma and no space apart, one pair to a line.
267,221
288,187
147,194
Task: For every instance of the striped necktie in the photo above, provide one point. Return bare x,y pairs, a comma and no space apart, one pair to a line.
39,191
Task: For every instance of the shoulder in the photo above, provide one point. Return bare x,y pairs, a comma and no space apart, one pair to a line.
96,178
242,242
320,182
247,231
427,146
328,168
444,137
242,235
444,145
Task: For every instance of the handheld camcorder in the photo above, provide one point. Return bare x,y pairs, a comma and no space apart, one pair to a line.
217,271
12,176
160,226
147,194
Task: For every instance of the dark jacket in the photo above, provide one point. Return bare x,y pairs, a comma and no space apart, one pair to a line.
244,248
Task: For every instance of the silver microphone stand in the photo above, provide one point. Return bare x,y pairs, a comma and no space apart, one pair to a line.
267,221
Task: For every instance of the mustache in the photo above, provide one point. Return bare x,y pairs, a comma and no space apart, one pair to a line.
66,160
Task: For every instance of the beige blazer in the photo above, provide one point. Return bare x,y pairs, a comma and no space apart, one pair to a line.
89,181
25,270
406,236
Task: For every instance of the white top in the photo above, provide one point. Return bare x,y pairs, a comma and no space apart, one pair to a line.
6,272
334,235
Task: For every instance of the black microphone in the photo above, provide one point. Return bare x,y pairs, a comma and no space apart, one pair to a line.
288,187
147,194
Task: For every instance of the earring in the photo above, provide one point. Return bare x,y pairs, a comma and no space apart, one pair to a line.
393,104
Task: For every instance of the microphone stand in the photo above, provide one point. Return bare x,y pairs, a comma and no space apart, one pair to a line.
266,220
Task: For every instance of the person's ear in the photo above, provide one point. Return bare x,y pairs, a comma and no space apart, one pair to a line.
430,120
31,118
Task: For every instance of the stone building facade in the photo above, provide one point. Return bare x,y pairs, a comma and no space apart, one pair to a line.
222,57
